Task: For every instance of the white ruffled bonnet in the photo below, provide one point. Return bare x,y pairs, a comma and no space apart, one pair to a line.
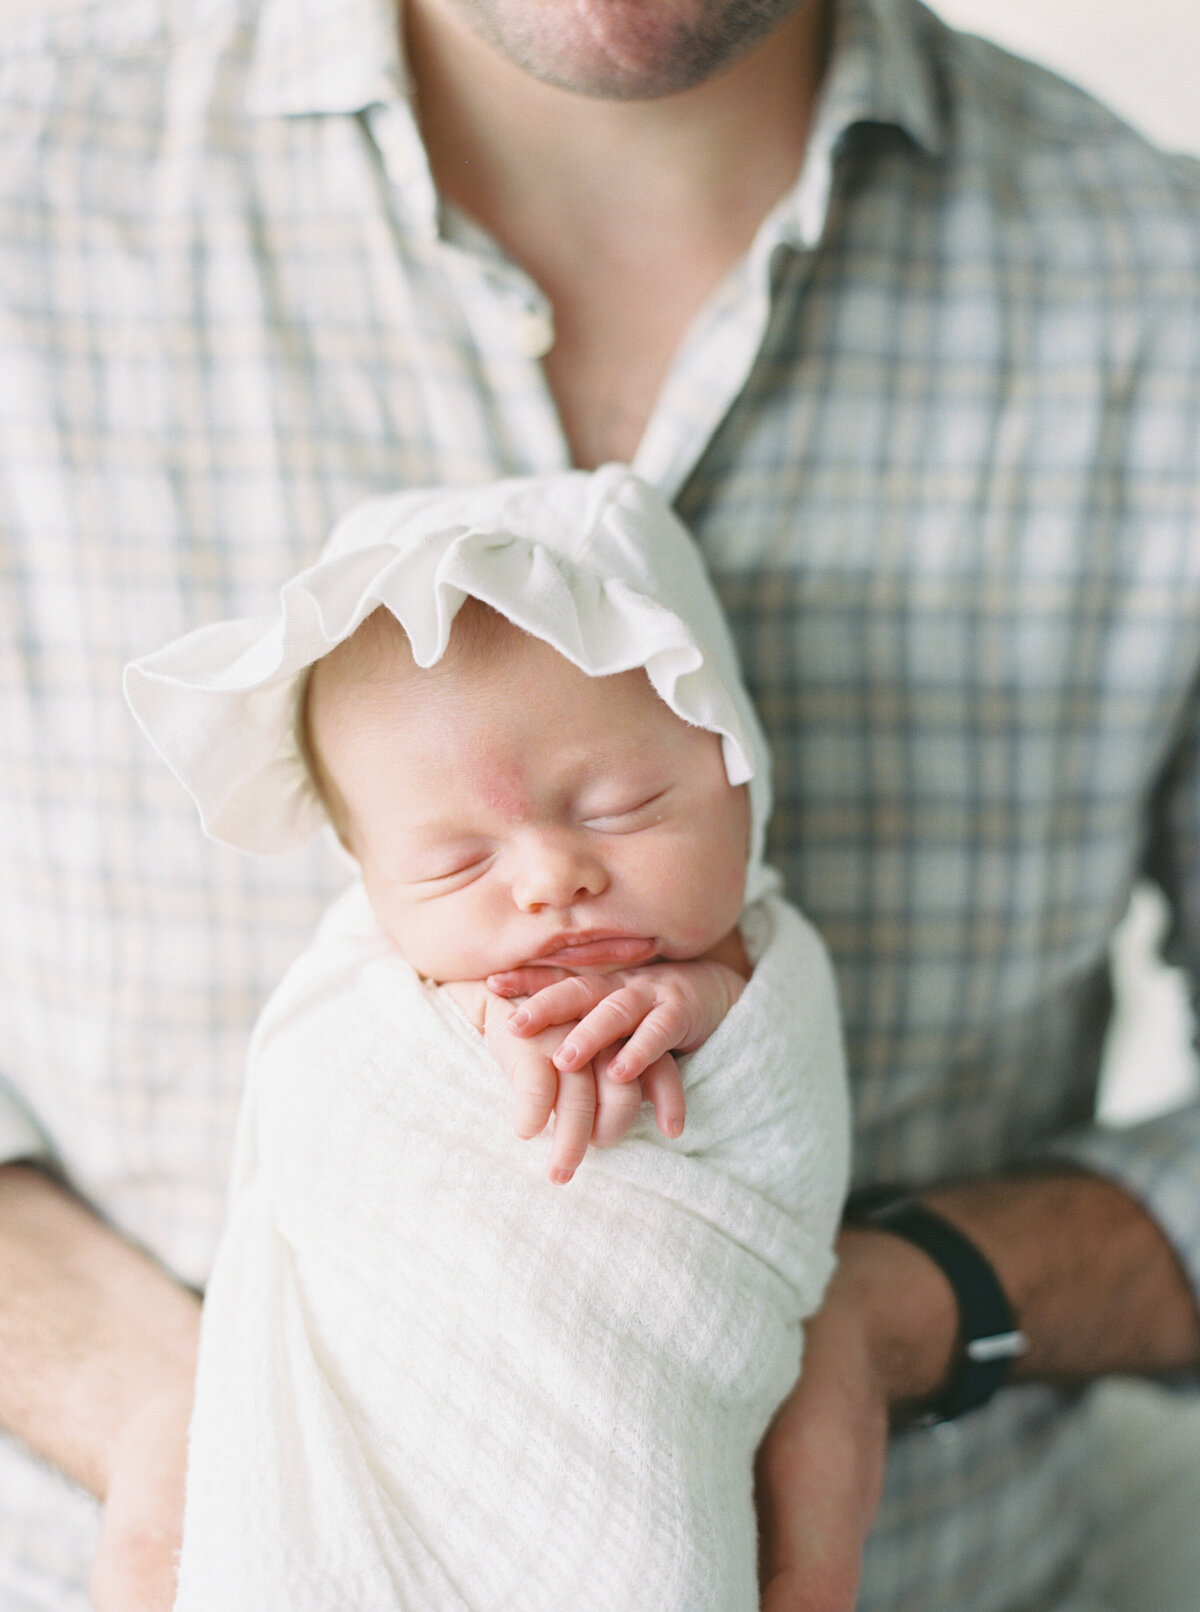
593,563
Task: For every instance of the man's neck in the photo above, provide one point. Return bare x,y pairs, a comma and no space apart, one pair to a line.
627,213
514,151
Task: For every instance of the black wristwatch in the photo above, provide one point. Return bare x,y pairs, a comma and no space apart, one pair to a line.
989,1336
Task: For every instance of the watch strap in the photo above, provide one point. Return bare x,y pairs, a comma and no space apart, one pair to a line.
990,1337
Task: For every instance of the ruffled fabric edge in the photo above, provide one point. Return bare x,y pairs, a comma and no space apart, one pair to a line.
594,564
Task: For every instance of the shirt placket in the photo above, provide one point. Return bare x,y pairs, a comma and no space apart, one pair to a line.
717,358
507,320
510,320
710,370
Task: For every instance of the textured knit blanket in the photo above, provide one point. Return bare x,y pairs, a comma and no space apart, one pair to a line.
430,1380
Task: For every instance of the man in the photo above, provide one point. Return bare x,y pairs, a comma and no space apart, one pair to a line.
909,333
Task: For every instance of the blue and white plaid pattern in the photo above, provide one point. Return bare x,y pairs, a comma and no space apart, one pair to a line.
939,436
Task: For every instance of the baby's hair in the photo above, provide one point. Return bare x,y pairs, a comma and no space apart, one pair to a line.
376,651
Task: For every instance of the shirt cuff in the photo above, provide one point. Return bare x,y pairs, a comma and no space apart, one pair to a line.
1157,1163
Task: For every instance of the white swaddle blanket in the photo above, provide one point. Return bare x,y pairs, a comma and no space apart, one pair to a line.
430,1380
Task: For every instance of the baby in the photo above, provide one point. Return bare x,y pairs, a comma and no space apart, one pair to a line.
428,1379
514,819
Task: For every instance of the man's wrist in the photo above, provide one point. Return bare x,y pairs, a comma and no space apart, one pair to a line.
989,1336
908,1310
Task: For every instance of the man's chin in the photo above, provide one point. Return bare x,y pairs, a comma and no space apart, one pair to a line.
624,49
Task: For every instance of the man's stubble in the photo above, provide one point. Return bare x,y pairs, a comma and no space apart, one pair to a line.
624,49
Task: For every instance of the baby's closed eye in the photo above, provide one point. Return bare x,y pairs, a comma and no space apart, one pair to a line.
440,874
626,816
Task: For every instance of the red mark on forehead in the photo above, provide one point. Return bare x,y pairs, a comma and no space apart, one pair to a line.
500,783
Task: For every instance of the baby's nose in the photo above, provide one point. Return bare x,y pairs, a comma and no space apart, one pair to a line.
556,873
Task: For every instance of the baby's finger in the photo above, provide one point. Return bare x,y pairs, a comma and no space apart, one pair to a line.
563,1002
535,1084
663,1087
617,1105
612,1018
524,981
574,1117
663,1028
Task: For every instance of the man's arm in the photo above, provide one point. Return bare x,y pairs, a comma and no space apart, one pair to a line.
1095,1285
97,1360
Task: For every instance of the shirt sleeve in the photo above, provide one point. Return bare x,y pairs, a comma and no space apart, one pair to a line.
1158,1161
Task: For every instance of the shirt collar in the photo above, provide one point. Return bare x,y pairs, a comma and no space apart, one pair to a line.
314,56
331,56
326,56
885,70
882,70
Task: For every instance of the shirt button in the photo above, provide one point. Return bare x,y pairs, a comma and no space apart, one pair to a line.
534,330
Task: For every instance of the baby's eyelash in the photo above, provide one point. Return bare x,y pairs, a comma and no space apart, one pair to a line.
627,811
474,864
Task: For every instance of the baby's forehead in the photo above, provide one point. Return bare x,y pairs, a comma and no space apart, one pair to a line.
483,646
495,678
502,718
379,648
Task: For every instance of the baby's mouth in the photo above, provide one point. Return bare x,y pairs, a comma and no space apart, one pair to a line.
595,949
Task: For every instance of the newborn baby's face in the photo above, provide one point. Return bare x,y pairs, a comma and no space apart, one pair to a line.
505,808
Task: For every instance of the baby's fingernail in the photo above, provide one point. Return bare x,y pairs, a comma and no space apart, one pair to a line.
616,1070
566,1055
560,1175
519,1019
675,1127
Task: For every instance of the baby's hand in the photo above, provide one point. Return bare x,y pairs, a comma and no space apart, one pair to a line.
656,1009
652,1010
588,1106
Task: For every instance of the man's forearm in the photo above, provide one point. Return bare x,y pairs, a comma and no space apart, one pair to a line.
95,1339
1095,1285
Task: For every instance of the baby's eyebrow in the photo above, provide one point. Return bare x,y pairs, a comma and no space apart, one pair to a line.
441,829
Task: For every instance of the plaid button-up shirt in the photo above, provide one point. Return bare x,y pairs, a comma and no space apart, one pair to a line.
939,438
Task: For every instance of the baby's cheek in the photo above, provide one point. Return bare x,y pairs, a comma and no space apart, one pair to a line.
725,864
418,934
715,913
463,941
727,892
389,919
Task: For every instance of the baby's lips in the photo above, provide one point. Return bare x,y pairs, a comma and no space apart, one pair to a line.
599,951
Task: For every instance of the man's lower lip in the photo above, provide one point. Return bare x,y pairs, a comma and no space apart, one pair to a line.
627,949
